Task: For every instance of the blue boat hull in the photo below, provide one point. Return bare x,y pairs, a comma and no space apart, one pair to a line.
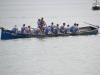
7,34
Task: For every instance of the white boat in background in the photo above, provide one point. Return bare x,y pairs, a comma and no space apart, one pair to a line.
96,5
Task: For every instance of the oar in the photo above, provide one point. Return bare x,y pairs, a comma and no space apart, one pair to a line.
92,24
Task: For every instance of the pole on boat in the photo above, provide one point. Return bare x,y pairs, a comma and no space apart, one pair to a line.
92,24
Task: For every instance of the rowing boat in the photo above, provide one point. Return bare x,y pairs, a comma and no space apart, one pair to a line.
8,34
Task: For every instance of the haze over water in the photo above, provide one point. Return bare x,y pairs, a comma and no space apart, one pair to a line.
73,55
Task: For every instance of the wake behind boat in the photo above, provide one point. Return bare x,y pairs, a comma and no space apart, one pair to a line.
8,34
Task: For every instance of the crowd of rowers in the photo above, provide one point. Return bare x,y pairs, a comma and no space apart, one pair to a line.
43,29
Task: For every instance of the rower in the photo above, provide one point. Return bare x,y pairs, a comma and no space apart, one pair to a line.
62,28
22,29
47,30
52,27
57,29
76,28
67,29
38,23
72,28
15,29
28,30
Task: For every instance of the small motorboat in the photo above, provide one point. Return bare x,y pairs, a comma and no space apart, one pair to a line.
96,5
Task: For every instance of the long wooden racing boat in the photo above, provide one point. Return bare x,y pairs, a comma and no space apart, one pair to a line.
8,34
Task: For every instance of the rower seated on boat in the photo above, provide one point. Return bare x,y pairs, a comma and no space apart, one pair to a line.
67,29
47,30
57,29
15,29
72,28
76,28
62,28
28,30
22,29
52,27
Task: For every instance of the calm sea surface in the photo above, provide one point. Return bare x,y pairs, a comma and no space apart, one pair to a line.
73,55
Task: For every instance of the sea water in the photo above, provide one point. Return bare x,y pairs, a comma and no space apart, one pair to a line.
72,55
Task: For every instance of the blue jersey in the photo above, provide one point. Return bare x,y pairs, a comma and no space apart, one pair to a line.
37,31
15,30
66,30
76,29
27,31
46,30
22,30
72,28
56,31
52,28
61,29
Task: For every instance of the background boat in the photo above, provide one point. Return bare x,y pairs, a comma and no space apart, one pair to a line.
96,5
